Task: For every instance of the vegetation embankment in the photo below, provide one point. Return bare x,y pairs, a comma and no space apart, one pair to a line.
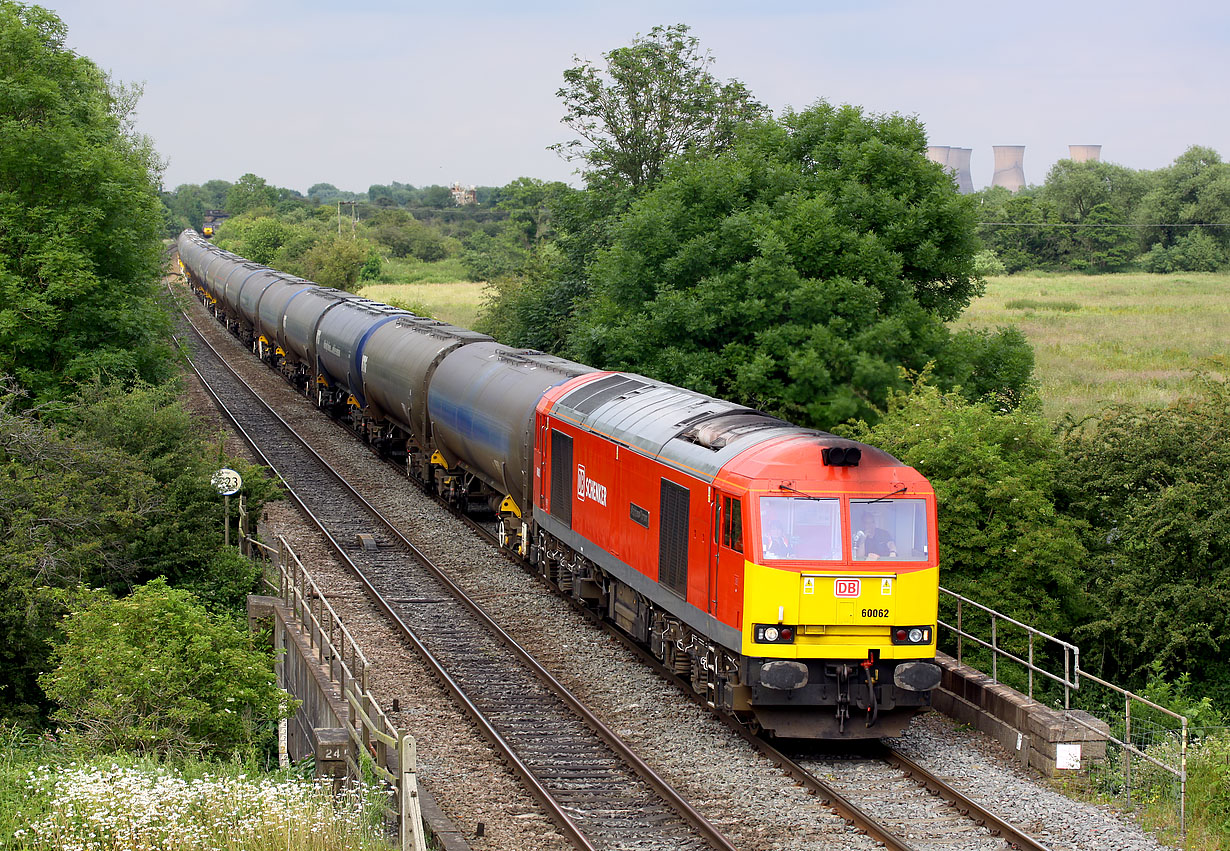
121,610
812,264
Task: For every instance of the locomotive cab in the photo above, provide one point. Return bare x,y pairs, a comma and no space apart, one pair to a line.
840,588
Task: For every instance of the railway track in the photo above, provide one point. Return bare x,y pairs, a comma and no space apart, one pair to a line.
596,789
870,783
865,778
569,775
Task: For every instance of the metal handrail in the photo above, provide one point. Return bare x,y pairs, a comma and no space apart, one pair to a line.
1071,681
369,729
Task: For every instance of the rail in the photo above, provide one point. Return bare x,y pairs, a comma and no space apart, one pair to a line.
1070,680
379,747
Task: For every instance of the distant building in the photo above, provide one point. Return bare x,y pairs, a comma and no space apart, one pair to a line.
956,161
1085,153
463,195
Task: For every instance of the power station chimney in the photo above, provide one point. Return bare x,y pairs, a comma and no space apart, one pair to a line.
1085,153
958,161
1009,167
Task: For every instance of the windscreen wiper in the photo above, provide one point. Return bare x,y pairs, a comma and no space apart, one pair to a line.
901,489
800,493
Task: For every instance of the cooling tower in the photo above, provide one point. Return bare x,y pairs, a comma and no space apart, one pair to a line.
958,161
1009,167
1085,153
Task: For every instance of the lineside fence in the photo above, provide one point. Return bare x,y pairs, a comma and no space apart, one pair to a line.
378,749
1148,744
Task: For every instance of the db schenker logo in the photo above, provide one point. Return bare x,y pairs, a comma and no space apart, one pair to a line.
587,488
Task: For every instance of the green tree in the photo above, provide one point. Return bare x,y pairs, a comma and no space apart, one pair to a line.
250,193
1153,488
180,535
1194,191
67,513
1102,243
795,272
335,262
215,193
190,202
1015,227
1076,188
651,101
157,673
80,218
436,196
528,204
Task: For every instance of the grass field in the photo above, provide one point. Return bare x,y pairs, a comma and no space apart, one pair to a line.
456,302
1098,339
1106,339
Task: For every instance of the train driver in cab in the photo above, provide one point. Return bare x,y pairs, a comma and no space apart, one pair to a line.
777,542
872,543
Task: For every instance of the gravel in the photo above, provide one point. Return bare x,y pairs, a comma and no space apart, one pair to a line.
736,788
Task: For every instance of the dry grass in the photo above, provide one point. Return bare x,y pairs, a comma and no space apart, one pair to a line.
456,302
1106,339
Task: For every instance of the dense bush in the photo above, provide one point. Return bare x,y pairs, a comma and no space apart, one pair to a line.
155,672
107,491
1152,487
1194,252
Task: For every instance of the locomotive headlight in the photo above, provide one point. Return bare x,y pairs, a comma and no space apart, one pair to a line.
772,633
919,635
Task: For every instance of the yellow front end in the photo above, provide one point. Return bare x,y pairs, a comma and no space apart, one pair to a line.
840,612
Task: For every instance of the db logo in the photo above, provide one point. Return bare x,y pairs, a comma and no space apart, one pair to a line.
846,587
587,488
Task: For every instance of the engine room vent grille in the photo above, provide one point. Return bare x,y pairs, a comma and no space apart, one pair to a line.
673,538
590,397
561,477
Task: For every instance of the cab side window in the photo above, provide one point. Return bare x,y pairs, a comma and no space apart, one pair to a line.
732,523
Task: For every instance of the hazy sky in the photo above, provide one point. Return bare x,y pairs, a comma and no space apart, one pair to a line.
355,92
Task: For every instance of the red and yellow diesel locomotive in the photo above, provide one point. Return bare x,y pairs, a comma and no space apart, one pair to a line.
791,575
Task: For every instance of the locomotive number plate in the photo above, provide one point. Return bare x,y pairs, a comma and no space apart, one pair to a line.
847,587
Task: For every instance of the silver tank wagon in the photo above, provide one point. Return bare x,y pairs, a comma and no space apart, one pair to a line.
398,363
341,336
481,402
